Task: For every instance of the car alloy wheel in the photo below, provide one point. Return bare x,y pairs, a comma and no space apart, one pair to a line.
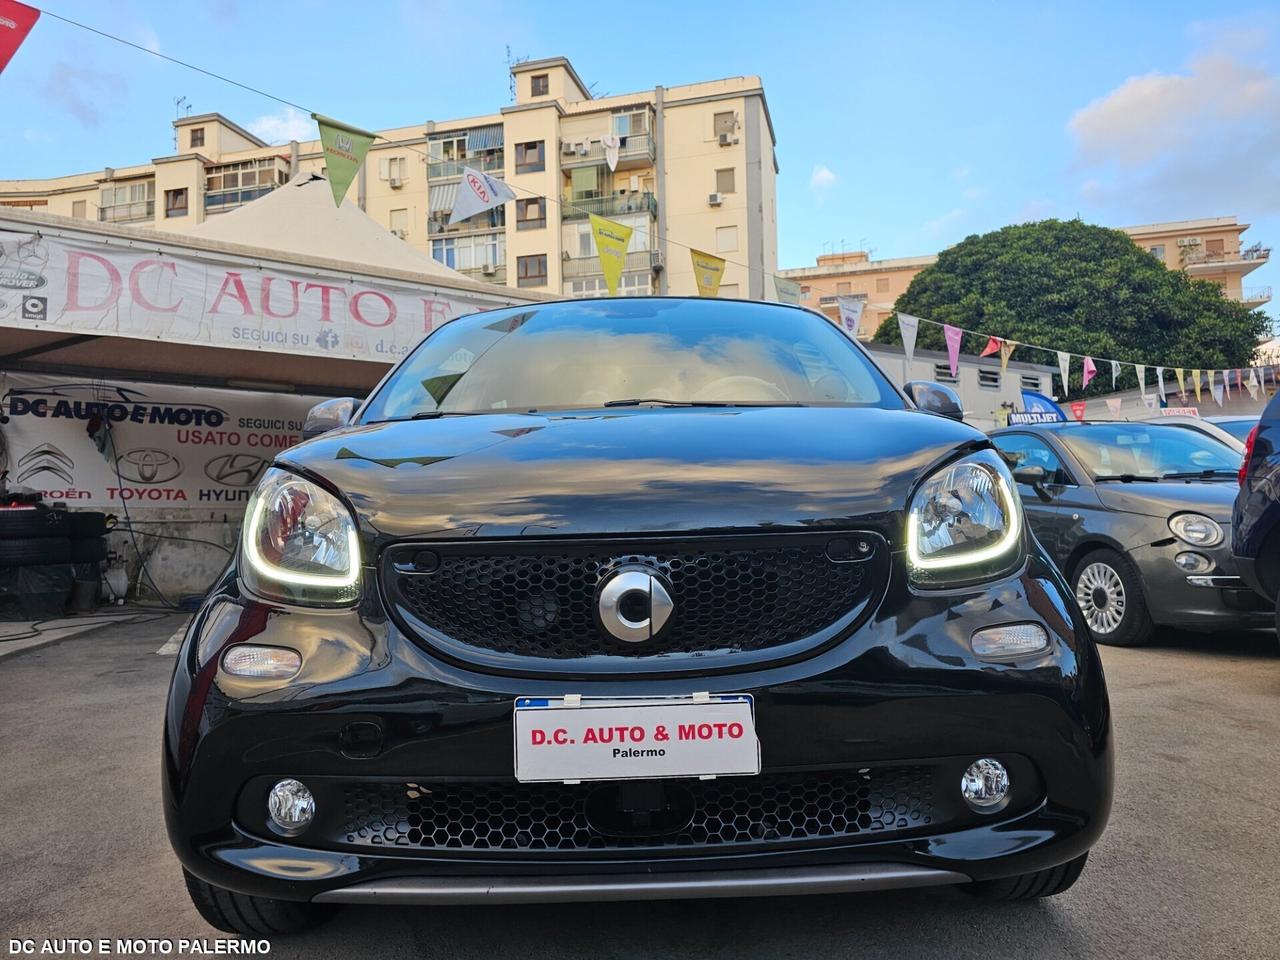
1100,592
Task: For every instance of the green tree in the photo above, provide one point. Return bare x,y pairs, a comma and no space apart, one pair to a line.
1089,290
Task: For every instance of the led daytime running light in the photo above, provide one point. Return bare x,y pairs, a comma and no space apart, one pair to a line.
273,572
981,555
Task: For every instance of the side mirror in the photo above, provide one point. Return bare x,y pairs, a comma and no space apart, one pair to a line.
329,415
1033,477
935,398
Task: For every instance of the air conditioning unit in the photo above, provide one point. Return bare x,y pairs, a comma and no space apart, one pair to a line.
584,148
1188,241
566,148
715,200
728,140
655,261
488,269
396,183
400,233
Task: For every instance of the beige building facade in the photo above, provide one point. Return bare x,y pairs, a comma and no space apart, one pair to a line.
1207,249
696,167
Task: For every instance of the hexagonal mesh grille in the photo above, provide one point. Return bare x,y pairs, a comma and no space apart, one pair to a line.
541,602
736,810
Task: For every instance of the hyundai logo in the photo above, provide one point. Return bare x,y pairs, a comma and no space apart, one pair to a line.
148,465
633,604
235,469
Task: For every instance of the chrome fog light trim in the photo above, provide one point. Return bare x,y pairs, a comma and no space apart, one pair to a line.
985,785
1189,562
1009,640
290,806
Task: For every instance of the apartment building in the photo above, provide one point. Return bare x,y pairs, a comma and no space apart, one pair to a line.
1207,249
695,167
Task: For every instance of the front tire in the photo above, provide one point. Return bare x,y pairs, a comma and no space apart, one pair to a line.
1109,591
1031,886
253,916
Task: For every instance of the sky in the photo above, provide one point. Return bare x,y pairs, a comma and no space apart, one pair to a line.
902,127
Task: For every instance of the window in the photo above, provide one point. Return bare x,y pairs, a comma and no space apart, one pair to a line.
531,271
394,168
1028,451
530,157
586,241
531,214
78,209
585,183
1213,248
989,379
471,253
1158,251
844,288
126,202
942,373
725,123
728,291
197,137
882,284
1030,383
631,124
540,84
175,202
726,239
399,223
724,181
630,285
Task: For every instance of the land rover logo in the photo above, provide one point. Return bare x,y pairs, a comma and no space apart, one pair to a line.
235,469
16,279
633,605
148,465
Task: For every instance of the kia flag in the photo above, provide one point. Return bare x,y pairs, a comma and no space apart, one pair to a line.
16,21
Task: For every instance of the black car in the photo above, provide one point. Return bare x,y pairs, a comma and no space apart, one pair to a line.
1137,516
1255,518
633,599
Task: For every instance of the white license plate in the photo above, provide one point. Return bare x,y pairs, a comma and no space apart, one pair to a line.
561,739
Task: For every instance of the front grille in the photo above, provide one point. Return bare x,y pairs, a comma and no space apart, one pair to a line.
538,600
768,809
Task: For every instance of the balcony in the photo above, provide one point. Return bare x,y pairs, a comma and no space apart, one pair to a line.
612,206
226,200
128,212
1205,262
485,163
636,150
578,267
1255,296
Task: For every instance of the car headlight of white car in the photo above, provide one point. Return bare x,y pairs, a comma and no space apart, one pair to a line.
1196,529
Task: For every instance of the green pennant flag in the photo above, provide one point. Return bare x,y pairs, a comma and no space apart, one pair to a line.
344,150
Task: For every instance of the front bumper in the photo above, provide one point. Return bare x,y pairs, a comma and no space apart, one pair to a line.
1216,599
904,689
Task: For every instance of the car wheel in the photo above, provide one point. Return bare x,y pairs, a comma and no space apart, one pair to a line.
257,916
1031,886
1110,595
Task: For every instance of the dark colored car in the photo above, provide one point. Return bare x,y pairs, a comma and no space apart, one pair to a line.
633,599
1137,516
1236,425
1255,518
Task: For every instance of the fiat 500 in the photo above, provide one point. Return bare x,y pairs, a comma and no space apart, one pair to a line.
633,599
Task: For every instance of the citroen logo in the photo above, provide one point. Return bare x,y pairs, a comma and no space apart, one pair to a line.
633,604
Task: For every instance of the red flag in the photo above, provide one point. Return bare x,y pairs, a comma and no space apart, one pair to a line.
16,21
1077,409
993,346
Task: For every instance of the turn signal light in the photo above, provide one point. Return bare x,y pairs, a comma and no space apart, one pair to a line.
1009,640
261,662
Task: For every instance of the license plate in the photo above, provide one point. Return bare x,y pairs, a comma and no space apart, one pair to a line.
566,739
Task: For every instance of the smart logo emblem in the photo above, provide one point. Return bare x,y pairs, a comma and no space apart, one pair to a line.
235,469
633,604
148,465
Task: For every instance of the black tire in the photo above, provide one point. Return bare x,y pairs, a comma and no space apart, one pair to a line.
25,524
253,916
88,551
1031,886
1104,569
38,551
85,524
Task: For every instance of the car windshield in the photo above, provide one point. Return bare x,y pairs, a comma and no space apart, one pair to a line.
628,352
1237,428
1141,451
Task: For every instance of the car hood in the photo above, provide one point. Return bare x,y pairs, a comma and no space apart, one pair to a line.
643,470
1213,498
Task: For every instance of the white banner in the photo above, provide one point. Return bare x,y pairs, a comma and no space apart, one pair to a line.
171,446
909,327
851,314
477,192
56,284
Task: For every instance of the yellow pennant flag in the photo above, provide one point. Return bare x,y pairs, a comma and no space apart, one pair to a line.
708,272
1006,351
612,240
1177,372
1195,379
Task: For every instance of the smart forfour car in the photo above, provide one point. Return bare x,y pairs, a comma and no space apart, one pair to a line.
633,599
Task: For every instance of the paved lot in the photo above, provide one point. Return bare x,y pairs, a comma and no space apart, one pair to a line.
1190,866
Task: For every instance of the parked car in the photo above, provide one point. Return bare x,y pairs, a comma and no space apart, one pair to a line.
633,599
1236,425
1255,535
1209,427
1137,516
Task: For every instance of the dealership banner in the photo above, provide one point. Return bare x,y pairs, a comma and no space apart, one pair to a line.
170,446
97,288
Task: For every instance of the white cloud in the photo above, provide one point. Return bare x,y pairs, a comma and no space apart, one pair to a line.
288,124
940,224
822,178
148,38
1205,140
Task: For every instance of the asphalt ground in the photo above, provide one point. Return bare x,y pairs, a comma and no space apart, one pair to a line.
1189,866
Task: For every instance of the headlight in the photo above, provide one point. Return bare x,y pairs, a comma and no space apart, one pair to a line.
965,522
1196,529
299,543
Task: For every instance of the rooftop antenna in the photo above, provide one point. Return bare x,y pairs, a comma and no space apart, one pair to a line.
511,79
178,104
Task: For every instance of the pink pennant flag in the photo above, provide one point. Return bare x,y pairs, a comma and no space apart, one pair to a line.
993,346
1077,409
954,336
1090,371
1113,404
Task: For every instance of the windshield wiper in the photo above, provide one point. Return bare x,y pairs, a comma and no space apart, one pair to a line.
659,401
1198,474
1125,478
437,414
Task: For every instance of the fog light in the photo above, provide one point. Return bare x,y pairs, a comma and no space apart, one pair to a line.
1009,640
985,784
290,806
1193,562
253,660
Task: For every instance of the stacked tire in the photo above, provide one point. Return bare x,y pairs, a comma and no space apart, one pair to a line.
35,562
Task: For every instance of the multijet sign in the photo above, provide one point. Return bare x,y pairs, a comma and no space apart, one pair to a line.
50,283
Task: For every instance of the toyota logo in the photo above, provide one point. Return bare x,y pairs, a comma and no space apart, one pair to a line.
148,465
633,604
235,469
